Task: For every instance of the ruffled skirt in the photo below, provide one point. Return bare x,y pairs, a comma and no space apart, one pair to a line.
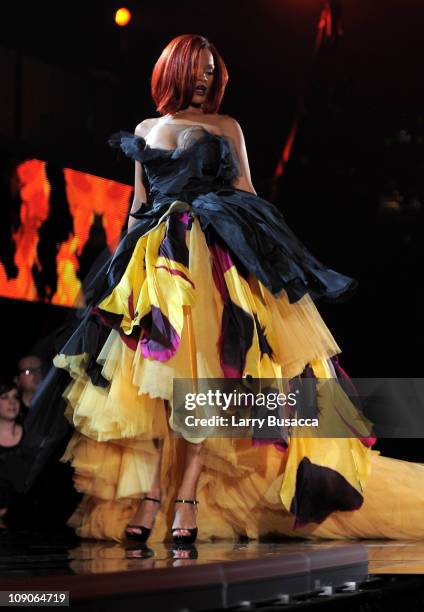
184,308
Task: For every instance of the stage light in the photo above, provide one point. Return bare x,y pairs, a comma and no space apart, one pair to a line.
122,17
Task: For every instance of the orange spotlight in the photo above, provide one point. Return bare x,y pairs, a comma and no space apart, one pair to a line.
122,17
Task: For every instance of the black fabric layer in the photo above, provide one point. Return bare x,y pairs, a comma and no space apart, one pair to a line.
321,491
250,226
252,229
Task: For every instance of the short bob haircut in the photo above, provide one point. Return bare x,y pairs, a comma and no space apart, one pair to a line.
174,75
6,385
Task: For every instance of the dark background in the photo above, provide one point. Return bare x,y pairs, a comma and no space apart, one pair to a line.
70,77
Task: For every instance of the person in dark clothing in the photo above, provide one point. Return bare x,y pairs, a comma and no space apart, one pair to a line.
11,433
28,378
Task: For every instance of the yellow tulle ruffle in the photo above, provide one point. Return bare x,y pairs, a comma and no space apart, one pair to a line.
243,489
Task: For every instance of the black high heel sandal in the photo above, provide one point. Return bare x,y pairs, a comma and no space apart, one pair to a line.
144,531
185,539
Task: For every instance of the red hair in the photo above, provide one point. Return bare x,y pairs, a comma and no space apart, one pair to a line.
174,75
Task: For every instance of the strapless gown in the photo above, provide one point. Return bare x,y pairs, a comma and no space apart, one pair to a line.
211,283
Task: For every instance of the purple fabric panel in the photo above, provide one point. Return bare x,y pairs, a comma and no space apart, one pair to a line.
159,339
173,245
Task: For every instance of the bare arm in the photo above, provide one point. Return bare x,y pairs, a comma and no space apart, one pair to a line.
140,195
233,130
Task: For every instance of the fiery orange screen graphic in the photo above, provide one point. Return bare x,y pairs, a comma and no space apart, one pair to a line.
56,213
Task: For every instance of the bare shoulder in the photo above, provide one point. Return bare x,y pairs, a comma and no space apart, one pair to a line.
145,126
230,127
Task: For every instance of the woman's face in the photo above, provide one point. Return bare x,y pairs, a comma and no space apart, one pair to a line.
204,76
9,405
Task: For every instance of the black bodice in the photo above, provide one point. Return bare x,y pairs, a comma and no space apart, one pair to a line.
201,174
205,163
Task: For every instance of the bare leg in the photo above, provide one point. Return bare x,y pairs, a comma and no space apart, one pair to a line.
185,514
147,510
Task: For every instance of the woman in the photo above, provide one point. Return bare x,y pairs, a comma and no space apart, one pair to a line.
210,283
10,438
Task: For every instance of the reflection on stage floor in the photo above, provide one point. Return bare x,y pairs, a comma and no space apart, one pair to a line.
64,554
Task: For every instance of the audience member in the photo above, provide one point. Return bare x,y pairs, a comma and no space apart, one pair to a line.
11,433
52,498
28,378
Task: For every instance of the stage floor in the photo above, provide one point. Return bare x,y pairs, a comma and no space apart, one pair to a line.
63,554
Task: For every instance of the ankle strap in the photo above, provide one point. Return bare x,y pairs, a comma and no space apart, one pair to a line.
151,499
194,502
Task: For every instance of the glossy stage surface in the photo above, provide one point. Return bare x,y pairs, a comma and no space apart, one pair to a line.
215,576
61,553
